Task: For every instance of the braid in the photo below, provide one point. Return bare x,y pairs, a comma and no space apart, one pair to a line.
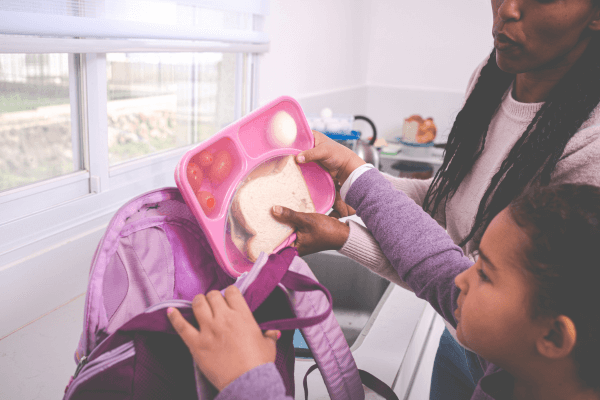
466,140
536,153
538,150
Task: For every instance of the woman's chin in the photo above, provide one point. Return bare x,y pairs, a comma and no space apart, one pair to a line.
508,65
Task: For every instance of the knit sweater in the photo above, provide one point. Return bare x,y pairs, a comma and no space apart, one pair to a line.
580,164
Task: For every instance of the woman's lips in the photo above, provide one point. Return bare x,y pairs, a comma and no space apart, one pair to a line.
503,42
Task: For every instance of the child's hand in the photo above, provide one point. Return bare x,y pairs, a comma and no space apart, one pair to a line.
229,342
315,232
338,160
340,208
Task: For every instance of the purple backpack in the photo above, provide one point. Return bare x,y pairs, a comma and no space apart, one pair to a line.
154,255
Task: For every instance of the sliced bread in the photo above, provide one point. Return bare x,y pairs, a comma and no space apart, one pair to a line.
278,182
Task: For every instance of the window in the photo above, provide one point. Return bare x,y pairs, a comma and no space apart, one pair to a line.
161,101
35,119
98,102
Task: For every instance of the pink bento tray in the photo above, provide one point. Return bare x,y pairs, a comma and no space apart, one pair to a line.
246,142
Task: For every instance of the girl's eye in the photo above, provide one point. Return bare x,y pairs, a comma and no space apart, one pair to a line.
483,276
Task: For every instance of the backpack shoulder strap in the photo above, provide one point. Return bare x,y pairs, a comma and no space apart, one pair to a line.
326,341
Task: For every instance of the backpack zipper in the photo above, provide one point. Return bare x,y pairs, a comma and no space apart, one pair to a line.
80,365
100,364
168,303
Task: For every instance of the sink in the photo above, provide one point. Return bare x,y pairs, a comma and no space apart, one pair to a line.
357,294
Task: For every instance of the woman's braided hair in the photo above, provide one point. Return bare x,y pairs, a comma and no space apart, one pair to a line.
535,155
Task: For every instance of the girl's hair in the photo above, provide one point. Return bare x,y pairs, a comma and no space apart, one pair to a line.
534,156
563,261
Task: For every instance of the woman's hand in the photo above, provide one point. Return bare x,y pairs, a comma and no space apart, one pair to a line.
230,342
338,160
315,232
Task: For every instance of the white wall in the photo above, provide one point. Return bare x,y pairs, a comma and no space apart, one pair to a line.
316,46
327,45
386,59
433,44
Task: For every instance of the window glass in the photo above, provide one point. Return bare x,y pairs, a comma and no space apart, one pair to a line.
160,101
35,119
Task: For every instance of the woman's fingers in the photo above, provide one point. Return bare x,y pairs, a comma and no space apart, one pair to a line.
183,328
288,217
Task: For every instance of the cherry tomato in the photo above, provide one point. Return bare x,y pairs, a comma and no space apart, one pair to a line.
205,158
207,201
221,167
194,174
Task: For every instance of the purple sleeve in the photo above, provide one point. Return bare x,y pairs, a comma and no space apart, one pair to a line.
418,248
262,382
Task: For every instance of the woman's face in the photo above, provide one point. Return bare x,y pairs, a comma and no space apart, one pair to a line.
534,35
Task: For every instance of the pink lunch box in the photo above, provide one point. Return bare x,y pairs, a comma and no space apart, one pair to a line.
237,150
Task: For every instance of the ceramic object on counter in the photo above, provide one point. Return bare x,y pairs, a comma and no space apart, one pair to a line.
228,157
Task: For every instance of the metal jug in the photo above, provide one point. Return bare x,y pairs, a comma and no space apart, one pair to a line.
365,150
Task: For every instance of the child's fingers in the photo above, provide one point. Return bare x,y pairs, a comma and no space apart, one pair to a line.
339,205
272,334
236,300
319,153
319,137
334,214
217,302
202,310
183,328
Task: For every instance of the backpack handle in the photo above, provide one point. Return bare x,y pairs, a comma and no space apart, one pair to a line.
300,283
275,272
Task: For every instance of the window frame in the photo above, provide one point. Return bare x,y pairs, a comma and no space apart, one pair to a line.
89,197
23,200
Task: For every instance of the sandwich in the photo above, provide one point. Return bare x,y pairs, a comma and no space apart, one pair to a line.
275,182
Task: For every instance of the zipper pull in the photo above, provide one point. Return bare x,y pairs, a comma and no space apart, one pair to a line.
80,366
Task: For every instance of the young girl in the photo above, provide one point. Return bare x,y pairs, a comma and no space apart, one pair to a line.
527,306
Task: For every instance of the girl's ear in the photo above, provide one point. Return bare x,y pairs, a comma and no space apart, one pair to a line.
559,340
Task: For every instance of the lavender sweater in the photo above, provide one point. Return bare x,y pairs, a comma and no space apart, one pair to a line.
422,254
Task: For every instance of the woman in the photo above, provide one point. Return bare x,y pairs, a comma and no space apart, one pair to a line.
531,115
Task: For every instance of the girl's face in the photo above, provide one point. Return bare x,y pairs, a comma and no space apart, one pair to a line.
532,35
493,313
